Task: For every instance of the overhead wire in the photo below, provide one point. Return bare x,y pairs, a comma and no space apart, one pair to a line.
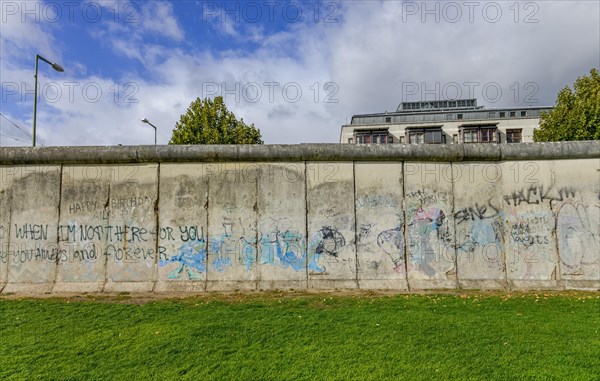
17,126
14,124
12,137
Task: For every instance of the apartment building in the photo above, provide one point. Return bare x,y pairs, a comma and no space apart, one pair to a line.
444,122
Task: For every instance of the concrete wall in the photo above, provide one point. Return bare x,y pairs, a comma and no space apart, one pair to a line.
191,218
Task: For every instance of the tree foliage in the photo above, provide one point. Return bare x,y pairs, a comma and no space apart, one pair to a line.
576,115
209,122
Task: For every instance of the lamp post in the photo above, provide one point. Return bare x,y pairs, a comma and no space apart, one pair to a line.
153,126
56,67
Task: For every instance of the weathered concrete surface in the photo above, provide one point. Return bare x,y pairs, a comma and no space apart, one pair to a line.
227,218
380,226
478,218
82,230
33,242
531,257
431,256
232,226
281,204
331,225
6,180
182,228
298,153
577,214
131,258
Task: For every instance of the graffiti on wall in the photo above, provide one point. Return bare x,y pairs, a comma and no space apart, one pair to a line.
479,234
538,194
285,249
534,219
391,241
578,235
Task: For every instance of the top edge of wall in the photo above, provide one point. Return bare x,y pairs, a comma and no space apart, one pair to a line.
298,152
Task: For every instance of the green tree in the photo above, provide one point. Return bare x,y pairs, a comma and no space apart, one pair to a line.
576,115
209,122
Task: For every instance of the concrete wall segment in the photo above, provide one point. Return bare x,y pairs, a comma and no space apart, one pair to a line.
196,218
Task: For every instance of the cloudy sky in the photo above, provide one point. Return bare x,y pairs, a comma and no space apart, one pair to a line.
297,70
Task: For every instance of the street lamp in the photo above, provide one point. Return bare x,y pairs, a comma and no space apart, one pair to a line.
148,122
56,67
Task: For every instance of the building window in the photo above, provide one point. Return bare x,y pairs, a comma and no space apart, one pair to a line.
415,137
388,119
433,136
491,115
372,137
459,116
480,134
426,136
523,113
502,114
513,114
350,140
470,135
449,117
514,136
488,135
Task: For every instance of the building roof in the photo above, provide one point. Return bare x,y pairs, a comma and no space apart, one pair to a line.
447,114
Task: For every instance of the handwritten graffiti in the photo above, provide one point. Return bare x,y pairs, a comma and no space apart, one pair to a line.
524,234
83,207
34,232
424,197
325,243
89,253
476,212
578,234
283,248
364,231
225,248
484,233
392,243
191,259
435,220
428,236
74,232
538,194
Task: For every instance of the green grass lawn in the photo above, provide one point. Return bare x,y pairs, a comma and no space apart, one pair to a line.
296,336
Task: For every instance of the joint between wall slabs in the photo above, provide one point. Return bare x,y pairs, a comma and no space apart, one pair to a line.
559,282
356,269
256,269
106,208
458,284
3,286
503,221
558,268
60,183
207,208
306,238
157,225
404,237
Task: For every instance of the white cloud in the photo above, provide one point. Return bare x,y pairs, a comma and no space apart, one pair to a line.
157,17
22,28
368,56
